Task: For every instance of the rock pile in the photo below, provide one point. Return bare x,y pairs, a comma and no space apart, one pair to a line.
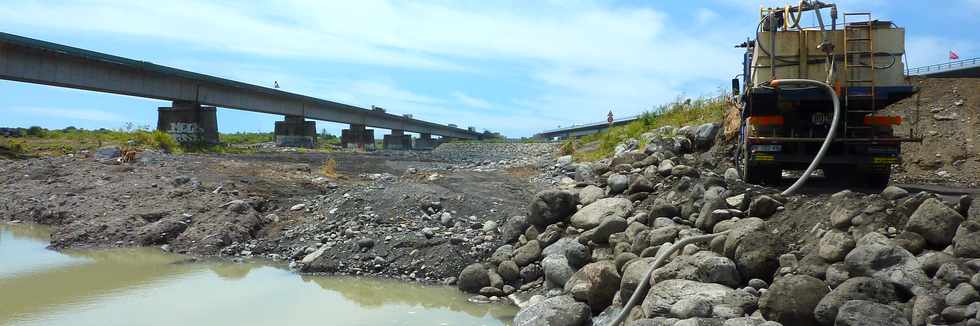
893,258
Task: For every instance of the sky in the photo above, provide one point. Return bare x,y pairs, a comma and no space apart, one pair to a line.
515,67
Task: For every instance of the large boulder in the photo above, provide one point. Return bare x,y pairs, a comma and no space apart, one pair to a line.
869,313
704,266
664,294
590,216
935,221
590,194
561,310
551,206
763,206
608,226
858,288
791,300
633,274
557,271
473,278
528,253
513,228
887,262
966,242
756,255
641,184
834,245
595,284
617,183
704,135
714,199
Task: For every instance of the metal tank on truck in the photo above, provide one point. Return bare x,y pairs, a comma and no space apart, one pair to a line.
812,95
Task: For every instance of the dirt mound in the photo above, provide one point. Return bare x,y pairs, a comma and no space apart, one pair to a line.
949,123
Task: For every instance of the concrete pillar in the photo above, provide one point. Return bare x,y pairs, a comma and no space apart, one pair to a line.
189,122
295,131
398,140
425,141
357,137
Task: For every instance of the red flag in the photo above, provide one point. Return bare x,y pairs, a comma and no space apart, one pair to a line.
953,56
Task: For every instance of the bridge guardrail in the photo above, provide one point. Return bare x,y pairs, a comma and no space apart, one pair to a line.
944,66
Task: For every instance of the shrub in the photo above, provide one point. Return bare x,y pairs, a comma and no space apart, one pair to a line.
164,141
329,168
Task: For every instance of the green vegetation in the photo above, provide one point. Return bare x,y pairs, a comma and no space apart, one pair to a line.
246,138
677,113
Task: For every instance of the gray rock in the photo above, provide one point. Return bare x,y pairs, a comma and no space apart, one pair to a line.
663,209
665,167
365,243
617,183
663,294
744,321
834,245
691,307
704,266
758,284
641,184
513,228
560,310
806,292
836,274
556,271
890,263
607,227
473,278
595,284
577,254
911,241
590,194
954,273
869,313
633,274
509,271
963,294
532,272
841,217
935,221
967,240
893,193
755,255
551,206
584,173
858,288
714,199
501,254
590,216
955,313
731,176
684,170
490,291
924,306
932,261
528,253
704,136
107,153
763,207
551,234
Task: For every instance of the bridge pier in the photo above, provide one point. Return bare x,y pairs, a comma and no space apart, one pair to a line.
425,141
398,140
189,122
295,131
357,137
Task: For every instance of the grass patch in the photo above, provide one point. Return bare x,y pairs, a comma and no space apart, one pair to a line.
677,113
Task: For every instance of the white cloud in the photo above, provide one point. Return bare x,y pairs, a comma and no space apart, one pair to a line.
471,101
64,113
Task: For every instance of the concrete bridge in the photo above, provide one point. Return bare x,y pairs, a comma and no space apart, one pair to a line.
585,129
966,68
191,117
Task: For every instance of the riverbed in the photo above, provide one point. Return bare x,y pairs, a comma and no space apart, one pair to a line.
147,286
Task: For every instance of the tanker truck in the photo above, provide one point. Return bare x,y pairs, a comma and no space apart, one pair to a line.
814,93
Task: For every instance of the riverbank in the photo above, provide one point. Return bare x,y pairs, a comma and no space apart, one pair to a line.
418,216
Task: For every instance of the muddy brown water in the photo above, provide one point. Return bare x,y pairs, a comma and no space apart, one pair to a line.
146,286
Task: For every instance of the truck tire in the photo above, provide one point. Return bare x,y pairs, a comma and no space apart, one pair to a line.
878,179
767,174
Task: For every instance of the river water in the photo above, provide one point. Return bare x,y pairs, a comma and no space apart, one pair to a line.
146,286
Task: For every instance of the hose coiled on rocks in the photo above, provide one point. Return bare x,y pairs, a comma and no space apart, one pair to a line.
642,287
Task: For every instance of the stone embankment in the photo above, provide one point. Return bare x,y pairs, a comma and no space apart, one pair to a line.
581,249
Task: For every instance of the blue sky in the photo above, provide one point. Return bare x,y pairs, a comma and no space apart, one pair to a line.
516,67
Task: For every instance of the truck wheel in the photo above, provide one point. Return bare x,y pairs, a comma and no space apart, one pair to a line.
767,174
878,179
